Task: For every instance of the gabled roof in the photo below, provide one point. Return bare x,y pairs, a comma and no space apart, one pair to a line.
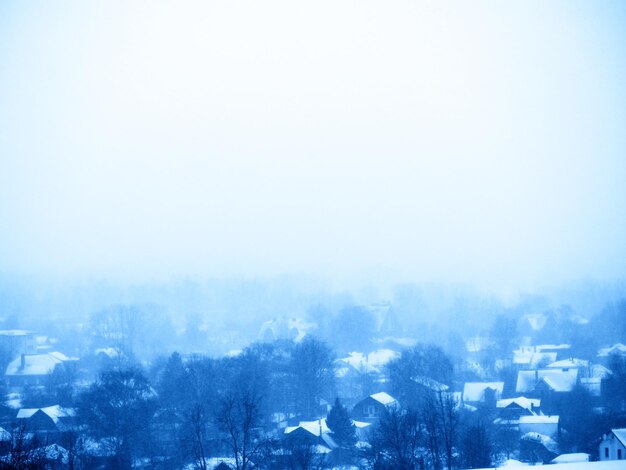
37,364
620,434
372,362
618,348
55,412
568,363
475,391
384,398
522,402
558,380
430,383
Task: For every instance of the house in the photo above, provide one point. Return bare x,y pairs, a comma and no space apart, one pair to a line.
544,425
33,369
613,445
370,409
292,329
17,342
619,349
511,409
482,392
536,381
314,433
51,419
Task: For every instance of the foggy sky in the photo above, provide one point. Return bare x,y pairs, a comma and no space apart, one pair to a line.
478,142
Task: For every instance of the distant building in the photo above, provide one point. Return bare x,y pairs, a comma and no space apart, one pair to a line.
370,409
32,369
544,425
482,392
16,342
613,445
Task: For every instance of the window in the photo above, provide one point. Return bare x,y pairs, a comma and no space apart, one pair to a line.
606,452
619,454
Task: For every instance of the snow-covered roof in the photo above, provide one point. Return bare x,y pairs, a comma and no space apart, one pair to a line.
384,398
55,412
549,443
372,362
558,380
604,465
567,363
4,435
522,402
430,383
55,452
599,371
539,419
618,348
16,332
286,328
317,427
533,359
620,434
37,364
475,391
571,458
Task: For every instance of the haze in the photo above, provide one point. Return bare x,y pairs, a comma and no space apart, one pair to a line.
476,142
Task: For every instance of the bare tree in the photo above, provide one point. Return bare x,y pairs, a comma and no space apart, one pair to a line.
240,418
398,441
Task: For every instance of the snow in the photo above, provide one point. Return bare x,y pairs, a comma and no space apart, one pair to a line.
37,364
571,458
523,402
605,465
372,362
475,391
546,441
513,463
539,419
558,380
4,435
568,363
384,398
618,348
430,383
55,412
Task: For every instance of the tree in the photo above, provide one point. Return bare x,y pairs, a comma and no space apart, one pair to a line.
422,361
476,449
239,417
119,406
339,422
313,372
352,329
398,441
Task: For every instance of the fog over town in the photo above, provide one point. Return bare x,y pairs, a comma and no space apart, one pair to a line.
335,235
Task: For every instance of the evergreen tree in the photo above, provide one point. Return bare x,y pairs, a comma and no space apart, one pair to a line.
338,421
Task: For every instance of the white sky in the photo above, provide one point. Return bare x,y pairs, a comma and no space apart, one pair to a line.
481,142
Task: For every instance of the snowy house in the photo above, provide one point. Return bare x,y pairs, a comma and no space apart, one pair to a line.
482,392
513,408
613,445
544,425
32,369
45,420
556,380
373,407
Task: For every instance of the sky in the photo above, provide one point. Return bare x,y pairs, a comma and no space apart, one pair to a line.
361,141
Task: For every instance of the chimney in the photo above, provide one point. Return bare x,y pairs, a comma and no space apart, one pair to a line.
22,361
536,374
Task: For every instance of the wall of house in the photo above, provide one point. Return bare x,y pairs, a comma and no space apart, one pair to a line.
613,445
